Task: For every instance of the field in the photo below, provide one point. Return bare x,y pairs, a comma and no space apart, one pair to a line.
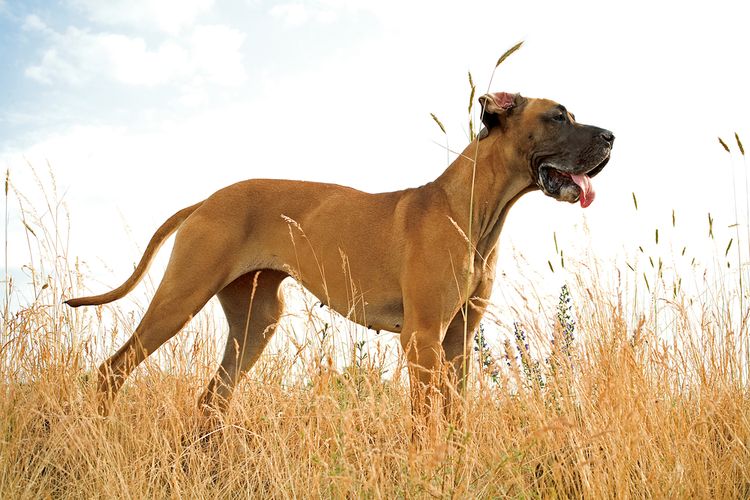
630,387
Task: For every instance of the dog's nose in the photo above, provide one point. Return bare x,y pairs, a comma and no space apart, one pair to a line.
607,136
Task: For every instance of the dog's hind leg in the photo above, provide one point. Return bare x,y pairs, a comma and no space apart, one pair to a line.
253,304
196,271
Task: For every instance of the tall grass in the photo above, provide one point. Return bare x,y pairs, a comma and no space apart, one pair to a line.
600,395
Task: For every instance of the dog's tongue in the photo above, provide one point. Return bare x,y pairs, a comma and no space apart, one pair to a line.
587,190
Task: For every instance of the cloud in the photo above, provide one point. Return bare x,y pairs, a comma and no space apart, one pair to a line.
168,16
210,54
215,54
294,14
34,23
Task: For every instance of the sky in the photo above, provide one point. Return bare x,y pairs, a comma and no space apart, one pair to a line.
139,108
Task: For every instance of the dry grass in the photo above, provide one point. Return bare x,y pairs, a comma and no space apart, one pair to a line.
625,411
629,416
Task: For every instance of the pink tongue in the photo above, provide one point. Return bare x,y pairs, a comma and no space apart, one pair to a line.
587,190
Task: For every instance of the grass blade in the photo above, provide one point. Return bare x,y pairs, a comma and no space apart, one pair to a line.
473,91
473,87
440,124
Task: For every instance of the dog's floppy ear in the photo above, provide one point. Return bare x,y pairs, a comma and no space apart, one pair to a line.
495,106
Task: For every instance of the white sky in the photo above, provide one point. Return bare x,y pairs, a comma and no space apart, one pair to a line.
143,107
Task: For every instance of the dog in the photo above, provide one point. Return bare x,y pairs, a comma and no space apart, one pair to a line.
419,262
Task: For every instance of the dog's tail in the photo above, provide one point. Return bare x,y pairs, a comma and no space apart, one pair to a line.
165,231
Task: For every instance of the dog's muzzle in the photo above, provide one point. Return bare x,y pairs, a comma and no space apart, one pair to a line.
572,183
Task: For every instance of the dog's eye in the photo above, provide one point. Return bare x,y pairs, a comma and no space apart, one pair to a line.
559,117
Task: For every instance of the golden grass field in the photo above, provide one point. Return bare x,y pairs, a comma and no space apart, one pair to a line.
614,398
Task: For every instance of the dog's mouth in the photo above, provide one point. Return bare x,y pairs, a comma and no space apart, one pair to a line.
563,185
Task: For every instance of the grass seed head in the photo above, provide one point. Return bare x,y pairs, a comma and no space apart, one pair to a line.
508,53
439,123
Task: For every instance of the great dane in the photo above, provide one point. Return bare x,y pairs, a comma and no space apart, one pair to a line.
419,262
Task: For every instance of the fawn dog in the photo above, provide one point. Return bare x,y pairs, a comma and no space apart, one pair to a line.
413,258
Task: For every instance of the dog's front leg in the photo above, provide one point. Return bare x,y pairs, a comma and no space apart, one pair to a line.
427,377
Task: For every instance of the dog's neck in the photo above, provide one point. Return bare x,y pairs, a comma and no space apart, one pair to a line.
498,184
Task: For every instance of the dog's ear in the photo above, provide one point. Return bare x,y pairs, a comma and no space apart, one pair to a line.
496,106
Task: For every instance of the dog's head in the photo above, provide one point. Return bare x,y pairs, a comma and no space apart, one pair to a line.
560,155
